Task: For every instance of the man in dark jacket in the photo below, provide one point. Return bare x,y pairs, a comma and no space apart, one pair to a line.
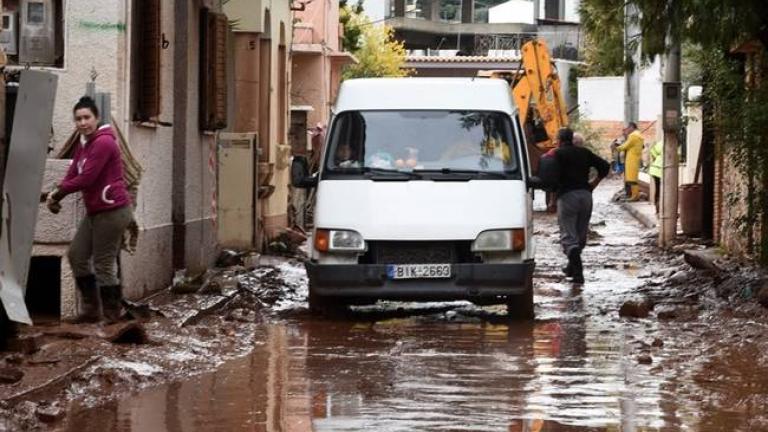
574,198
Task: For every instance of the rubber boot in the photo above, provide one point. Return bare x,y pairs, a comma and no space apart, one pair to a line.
111,303
577,275
568,269
89,294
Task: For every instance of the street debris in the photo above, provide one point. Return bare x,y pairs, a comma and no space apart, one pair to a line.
122,332
645,359
10,375
636,308
256,308
702,259
49,414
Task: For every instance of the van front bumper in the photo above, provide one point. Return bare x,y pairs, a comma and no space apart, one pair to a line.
475,282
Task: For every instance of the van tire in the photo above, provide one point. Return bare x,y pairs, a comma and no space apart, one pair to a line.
322,305
521,306
8,329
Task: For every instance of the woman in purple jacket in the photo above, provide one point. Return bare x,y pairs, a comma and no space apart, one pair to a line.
96,172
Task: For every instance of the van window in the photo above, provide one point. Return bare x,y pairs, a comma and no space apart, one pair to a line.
422,141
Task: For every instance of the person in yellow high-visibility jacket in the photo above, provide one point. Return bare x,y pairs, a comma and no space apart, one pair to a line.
656,170
633,147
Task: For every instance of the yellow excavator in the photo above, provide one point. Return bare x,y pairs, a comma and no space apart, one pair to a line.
538,94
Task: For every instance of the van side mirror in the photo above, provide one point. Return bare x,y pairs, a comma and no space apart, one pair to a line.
300,177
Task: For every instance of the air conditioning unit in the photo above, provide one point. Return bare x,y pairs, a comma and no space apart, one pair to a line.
9,33
37,32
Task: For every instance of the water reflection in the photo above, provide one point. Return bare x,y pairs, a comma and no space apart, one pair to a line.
401,374
422,373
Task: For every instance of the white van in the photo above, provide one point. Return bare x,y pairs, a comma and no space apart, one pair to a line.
424,193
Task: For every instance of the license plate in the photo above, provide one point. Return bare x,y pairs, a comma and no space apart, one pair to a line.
419,271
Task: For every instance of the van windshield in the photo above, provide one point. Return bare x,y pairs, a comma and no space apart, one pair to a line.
432,143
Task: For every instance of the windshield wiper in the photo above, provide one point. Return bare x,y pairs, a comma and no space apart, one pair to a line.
465,172
378,173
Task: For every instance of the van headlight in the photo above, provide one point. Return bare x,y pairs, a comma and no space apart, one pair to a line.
339,241
500,241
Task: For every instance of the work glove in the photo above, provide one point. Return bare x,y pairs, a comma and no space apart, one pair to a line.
54,206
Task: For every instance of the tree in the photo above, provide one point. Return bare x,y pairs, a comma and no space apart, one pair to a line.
735,90
603,24
377,51
351,25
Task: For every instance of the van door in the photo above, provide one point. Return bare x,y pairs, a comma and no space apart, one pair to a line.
526,163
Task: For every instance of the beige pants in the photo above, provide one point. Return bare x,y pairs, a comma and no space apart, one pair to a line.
96,245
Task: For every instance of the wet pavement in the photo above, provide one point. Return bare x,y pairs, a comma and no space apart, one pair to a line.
456,366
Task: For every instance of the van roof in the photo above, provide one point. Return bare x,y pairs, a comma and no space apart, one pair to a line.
482,94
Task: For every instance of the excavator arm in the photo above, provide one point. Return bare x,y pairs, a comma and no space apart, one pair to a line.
538,92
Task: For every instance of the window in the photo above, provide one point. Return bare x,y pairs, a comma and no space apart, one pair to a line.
213,70
415,8
450,11
35,13
414,141
33,32
147,44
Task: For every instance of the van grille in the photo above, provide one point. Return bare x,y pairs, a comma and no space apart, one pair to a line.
418,252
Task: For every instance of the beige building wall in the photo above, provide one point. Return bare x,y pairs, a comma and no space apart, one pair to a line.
318,59
265,20
98,36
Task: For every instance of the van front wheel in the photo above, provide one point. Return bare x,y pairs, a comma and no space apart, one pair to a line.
322,305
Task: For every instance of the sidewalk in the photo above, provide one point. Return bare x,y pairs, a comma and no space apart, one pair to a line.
643,211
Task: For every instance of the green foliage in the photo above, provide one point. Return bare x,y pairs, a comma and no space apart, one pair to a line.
603,24
740,117
712,24
348,17
377,51
593,137
708,31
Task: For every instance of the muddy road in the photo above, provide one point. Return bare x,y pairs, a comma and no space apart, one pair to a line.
694,363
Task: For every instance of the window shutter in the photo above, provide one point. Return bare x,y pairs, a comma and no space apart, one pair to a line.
213,70
148,56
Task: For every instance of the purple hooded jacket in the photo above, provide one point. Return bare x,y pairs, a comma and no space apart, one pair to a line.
97,171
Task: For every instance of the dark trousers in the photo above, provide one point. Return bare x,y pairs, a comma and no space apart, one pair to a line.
96,245
657,191
574,209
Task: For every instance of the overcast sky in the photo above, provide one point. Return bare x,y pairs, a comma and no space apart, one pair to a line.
374,9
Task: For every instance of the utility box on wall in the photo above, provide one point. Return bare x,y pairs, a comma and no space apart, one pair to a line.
237,171
9,35
671,104
37,32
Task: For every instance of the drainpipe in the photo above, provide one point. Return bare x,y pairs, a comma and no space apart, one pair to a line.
178,166
3,143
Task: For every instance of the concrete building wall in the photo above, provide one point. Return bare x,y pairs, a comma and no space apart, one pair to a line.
276,206
91,42
602,98
307,89
200,235
317,75
151,267
107,47
513,11
572,10
275,25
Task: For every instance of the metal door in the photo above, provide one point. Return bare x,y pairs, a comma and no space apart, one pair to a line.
22,185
